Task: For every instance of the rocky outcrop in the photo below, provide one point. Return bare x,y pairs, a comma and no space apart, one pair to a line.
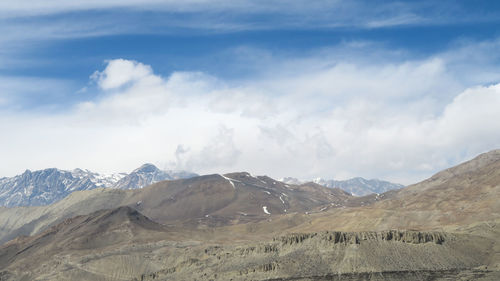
335,255
336,237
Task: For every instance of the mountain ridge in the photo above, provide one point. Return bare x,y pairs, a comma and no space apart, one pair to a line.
44,187
209,200
356,186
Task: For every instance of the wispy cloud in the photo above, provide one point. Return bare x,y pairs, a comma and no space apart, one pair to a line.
28,24
110,17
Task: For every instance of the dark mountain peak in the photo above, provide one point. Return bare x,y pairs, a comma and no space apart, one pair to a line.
236,175
118,215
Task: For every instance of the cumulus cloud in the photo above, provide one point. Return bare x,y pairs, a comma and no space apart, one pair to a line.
131,93
120,72
400,121
472,117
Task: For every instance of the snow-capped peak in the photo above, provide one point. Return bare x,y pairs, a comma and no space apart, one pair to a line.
47,186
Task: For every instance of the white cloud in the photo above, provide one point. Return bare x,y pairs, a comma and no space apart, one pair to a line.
120,72
400,121
472,116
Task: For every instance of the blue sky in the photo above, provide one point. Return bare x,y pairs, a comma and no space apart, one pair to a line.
334,88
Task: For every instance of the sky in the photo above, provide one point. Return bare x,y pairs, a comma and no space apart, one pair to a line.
395,90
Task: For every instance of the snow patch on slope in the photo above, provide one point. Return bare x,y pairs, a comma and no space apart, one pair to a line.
231,181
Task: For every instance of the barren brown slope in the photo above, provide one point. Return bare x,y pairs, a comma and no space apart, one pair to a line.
465,194
101,229
61,247
210,200
443,244
459,196
471,187
236,197
122,244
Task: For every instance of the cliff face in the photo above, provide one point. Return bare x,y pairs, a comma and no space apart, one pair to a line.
331,255
409,255
339,237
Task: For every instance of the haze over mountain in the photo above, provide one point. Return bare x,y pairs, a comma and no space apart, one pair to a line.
237,226
47,186
356,186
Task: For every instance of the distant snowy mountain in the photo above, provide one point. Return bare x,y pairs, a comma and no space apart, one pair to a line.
47,186
356,186
98,179
148,174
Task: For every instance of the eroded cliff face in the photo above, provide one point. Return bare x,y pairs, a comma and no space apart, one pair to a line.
329,255
395,254
339,237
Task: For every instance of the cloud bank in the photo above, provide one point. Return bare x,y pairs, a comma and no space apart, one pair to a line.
400,121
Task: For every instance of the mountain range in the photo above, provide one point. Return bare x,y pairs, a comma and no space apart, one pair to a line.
43,187
240,227
356,186
210,200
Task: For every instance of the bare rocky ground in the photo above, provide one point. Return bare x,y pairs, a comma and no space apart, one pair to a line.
444,228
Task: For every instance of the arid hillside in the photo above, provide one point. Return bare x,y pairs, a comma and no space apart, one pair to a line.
212,200
462,195
240,227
